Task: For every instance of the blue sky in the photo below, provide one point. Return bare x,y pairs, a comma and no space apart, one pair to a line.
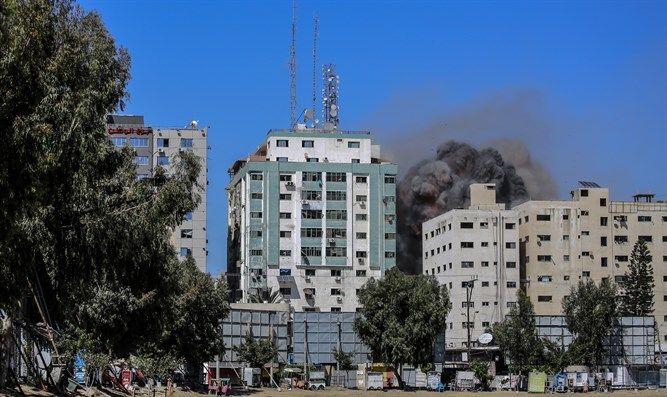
582,84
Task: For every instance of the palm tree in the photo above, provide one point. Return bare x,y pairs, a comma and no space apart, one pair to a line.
266,296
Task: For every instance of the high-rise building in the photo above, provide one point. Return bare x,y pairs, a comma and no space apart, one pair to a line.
590,237
311,214
475,253
157,146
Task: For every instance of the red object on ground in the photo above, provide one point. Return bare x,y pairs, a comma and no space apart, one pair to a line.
126,377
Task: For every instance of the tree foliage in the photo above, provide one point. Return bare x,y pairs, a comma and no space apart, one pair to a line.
266,296
481,371
256,351
344,359
400,317
638,297
75,223
517,336
590,311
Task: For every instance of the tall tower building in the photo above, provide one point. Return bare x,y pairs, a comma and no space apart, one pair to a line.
157,146
311,214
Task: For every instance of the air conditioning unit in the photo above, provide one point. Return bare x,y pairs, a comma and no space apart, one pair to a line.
307,279
160,150
289,183
361,261
339,299
332,241
362,204
338,279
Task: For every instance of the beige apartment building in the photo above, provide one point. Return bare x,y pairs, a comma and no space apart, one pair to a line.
589,236
475,247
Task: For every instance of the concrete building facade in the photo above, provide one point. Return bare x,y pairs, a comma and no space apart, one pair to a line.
312,214
159,147
475,247
590,236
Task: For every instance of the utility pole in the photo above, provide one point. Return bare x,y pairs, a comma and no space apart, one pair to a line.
292,69
305,348
339,346
469,286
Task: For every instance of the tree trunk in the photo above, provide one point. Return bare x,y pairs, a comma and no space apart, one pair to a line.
397,372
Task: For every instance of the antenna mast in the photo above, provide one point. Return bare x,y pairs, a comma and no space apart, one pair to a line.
292,69
316,33
330,100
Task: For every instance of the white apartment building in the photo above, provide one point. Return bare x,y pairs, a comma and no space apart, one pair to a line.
312,214
158,146
590,236
478,245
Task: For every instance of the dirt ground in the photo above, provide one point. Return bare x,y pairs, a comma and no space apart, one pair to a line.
390,393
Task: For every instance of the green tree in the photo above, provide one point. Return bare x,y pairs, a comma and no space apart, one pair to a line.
590,311
344,359
400,317
76,225
256,351
266,296
638,296
517,336
481,371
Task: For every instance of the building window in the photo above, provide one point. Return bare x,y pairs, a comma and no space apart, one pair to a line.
510,265
543,218
544,258
310,272
361,217
285,252
353,144
544,298
603,241
467,304
646,239
510,226
186,233
486,324
543,237
361,235
141,160
336,177
313,195
467,244
566,258
311,251
484,225
510,245
163,160
585,273
311,214
285,215
361,198
186,142
282,159
285,177
620,239
282,143
361,273
188,252
361,179
162,142
256,176
118,141
392,236
485,284
336,233
256,196
256,214
361,254
389,254
335,309
335,273
621,258
566,237
603,261
584,192
585,253
484,243
285,291
285,234
335,292
311,232
643,218
312,160
356,161
139,142
285,196
485,264
311,176
307,143
511,284
510,305
603,221
336,214
585,233
255,252
336,252
466,225
466,325
255,233
336,195
390,179
467,264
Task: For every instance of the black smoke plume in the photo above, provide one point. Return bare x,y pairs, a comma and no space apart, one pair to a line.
435,186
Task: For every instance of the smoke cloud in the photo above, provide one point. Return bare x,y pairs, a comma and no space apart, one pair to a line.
498,123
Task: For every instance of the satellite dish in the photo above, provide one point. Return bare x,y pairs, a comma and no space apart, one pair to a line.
485,338
329,126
